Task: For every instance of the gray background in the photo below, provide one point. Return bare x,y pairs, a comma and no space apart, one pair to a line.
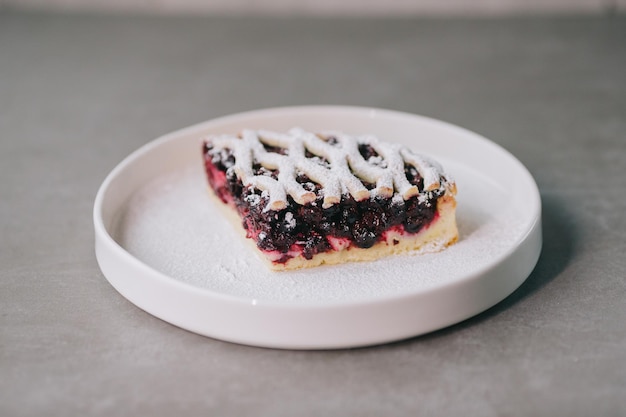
79,93
323,7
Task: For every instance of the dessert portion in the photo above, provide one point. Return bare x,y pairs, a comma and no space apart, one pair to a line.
307,199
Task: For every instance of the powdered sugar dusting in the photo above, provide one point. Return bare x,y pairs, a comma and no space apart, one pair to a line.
337,165
173,226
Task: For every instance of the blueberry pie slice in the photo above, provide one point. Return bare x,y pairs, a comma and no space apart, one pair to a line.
307,199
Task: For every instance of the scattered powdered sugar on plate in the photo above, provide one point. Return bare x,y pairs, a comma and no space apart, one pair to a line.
172,225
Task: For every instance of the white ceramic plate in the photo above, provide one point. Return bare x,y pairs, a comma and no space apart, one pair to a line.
163,244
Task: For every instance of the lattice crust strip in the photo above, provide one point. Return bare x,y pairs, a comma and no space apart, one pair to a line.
345,168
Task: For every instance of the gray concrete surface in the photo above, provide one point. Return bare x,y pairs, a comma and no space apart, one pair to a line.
78,93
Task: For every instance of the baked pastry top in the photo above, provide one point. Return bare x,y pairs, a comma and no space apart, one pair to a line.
307,199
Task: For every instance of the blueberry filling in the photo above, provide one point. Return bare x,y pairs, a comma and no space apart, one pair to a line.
309,229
